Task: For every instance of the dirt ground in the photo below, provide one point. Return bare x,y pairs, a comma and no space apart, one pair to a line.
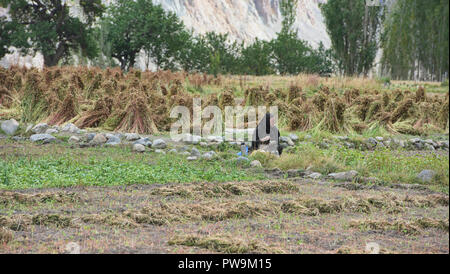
276,216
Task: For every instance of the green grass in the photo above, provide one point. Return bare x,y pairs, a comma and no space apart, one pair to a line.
387,165
111,166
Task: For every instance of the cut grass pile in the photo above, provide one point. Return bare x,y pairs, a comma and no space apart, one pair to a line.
141,102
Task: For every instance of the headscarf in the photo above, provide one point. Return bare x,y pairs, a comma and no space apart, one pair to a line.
263,129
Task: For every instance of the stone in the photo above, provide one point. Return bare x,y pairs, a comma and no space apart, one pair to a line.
40,128
138,148
144,141
18,138
160,151
69,127
286,140
344,176
10,127
191,158
372,141
349,145
415,140
195,152
132,136
379,139
89,136
42,138
314,175
342,138
293,173
159,144
426,176
255,163
443,144
113,140
429,147
208,155
215,139
73,139
51,131
418,145
293,137
29,127
192,139
99,139
173,150
203,144
183,149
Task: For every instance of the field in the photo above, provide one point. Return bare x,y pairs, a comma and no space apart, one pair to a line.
349,175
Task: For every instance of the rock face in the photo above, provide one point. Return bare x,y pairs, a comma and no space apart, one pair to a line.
244,20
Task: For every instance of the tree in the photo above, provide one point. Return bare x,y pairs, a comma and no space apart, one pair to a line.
140,25
211,53
7,30
415,40
256,58
46,26
353,28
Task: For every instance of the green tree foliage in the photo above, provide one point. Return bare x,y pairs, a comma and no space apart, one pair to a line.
416,39
7,30
48,27
211,53
353,28
256,58
140,25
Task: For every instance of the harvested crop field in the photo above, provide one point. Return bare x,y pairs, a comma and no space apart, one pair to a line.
274,216
141,101
86,161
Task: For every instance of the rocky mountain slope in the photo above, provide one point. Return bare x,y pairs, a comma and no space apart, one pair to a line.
244,20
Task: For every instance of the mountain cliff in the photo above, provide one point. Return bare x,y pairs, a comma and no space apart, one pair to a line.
244,20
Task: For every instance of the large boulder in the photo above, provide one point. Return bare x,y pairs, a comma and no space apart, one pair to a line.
10,126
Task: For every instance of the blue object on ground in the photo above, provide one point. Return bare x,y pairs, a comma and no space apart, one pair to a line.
246,152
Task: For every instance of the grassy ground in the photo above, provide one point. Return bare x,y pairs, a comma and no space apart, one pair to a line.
282,216
112,200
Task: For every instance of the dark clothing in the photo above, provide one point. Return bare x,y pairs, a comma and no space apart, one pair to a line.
262,130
